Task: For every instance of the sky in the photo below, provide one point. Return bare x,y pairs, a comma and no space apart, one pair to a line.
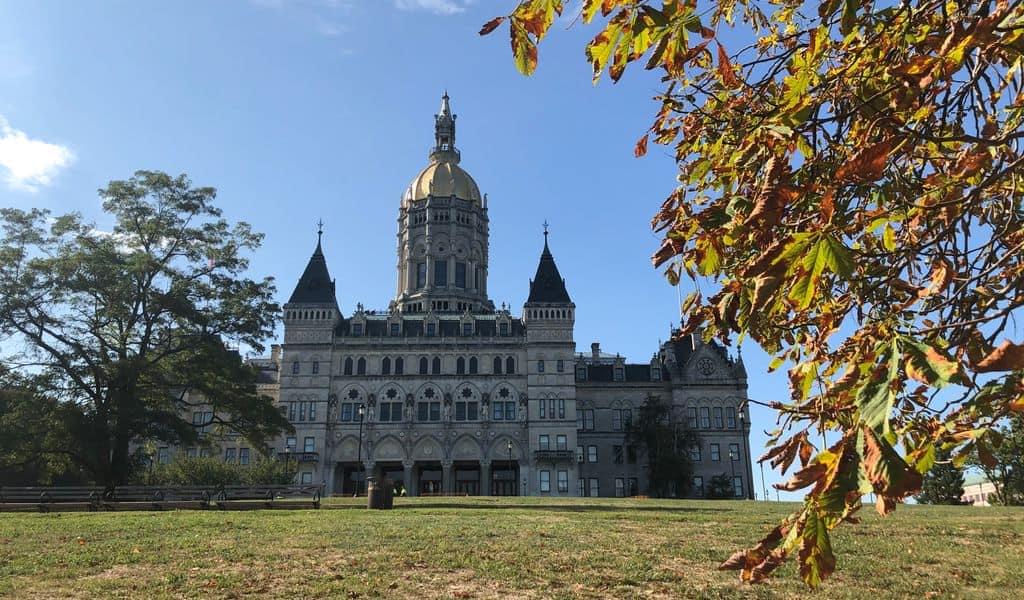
300,110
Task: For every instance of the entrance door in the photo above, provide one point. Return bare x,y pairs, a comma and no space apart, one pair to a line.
467,482
430,482
504,483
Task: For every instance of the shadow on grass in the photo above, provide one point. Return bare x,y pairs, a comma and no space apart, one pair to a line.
543,507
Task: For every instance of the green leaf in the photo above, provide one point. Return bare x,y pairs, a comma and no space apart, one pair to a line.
889,237
523,49
876,398
928,364
815,556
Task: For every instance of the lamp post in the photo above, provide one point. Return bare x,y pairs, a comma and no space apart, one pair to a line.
515,479
743,439
287,460
359,452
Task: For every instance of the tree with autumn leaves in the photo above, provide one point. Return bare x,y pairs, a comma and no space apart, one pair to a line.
850,187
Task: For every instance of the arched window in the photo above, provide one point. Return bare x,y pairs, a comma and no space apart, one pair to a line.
423,365
348,366
436,367
510,365
361,367
472,365
497,365
385,366
460,366
295,368
399,365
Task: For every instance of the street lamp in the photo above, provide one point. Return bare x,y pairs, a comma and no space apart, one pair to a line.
359,452
743,438
287,459
515,478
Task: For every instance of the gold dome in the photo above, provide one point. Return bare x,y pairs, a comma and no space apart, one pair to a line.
442,178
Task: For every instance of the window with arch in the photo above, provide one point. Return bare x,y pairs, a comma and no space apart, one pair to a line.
385,366
435,367
316,367
361,366
348,366
424,365
540,366
510,365
295,368
473,367
460,366
497,365
399,366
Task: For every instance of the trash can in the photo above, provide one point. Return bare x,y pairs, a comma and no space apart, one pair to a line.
374,494
389,494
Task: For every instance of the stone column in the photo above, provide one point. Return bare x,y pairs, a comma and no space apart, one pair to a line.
409,465
485,478
446,477
329,476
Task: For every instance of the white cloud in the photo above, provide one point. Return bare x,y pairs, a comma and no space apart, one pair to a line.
26,163
438,7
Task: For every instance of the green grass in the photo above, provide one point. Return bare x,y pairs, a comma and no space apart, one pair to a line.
491,548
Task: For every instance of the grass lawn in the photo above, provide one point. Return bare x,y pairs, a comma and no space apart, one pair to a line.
491,548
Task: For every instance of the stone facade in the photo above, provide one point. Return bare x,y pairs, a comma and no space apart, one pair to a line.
460,397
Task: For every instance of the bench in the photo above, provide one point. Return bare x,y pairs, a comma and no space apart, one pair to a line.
241,497
45,499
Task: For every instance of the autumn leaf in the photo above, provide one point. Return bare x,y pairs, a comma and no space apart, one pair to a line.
867,165
523,48
803,478
1007,357
941,275
491,25
725,69
641,147
890,475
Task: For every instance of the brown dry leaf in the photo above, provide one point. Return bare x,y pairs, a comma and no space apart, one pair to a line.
867,165
1007,357
725,69
941,275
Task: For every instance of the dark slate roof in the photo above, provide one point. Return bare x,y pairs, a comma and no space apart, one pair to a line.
315,286
606,373
414,327
547,285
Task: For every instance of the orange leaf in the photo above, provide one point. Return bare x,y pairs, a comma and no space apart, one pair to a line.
867,165
1007,357
491,25
725,69
641,147
942,274
803,478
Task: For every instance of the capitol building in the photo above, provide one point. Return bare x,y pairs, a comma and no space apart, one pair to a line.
445,393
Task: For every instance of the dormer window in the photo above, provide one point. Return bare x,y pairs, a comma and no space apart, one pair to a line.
581,373
396,329
357,329
655,373
467,329
620,374
503,328
431,329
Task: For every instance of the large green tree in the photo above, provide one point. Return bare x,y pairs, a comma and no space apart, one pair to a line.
1001,459
943,484
123,331
849,193
665,443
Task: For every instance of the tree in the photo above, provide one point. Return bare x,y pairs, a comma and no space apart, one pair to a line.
666,444
1003,463
849,191
125,331
720,487
943,484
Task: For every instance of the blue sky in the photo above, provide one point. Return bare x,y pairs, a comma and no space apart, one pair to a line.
297,110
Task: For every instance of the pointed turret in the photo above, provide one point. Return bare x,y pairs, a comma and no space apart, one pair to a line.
444,149
315,286
547,285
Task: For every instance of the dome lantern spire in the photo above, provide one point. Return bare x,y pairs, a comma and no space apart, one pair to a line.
444,134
